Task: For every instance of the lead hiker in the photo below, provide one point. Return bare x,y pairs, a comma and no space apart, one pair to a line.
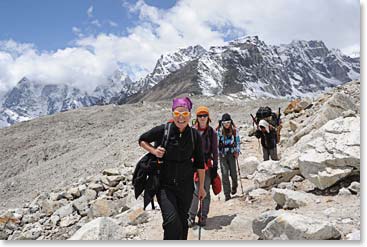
210,149
229,149
181,157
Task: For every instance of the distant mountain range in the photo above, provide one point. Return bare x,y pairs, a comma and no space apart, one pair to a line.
245,66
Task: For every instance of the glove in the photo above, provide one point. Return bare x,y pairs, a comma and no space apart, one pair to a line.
213,172
258,134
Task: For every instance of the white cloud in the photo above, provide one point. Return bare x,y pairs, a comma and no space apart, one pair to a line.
189,22
90,11
112,23
96,23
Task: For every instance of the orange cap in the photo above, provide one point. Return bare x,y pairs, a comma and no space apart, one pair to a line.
202,110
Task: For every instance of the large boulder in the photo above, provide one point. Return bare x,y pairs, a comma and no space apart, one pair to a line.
333,108
333,153
271,173
289,199
291,226
248,166
102,228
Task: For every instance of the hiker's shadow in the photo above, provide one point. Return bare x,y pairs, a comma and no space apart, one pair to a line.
218,222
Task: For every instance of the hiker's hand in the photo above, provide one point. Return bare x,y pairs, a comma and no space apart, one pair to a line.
235,154
202,193
159,152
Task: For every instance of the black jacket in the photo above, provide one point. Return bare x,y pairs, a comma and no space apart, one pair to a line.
268,140
178,166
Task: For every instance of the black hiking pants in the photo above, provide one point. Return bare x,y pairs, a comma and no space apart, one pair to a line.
175,204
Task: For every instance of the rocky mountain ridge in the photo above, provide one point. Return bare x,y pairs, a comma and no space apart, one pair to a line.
246,67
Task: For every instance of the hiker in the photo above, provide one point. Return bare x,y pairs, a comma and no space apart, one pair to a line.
182,156
268,136
229,149
210,149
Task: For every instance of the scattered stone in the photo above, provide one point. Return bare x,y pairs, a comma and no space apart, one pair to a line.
69,220
291,226
248,166
75,192
96,187
355,187
270,173
111,172
344,192
258,192
286,185
64,211
289,199
102,228
297,178
111,181
31,232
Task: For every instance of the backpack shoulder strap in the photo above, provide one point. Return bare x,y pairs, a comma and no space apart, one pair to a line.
192,139
167,129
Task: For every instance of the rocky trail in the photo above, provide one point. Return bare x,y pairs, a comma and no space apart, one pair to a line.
68,176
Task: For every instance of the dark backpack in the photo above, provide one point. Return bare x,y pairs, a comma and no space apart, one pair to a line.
267,114
146,173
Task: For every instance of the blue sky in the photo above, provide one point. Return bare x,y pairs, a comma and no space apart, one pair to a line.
82,42
49,24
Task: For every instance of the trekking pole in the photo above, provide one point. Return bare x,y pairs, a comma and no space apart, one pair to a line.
239,174
200,217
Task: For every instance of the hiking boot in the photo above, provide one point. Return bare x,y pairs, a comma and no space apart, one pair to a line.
228,197
202,222
234,190
190,222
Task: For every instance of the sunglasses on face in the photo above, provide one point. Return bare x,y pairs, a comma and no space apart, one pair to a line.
184,114
226,122
202,116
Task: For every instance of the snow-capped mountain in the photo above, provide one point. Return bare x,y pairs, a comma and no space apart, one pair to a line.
246,66
166,65
253,68
31,99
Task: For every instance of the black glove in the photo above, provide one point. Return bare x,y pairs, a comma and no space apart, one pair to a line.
213,172
258,134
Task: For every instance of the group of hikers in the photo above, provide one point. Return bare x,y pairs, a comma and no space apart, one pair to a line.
188,163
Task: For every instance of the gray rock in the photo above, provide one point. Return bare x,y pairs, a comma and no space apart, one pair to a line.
289,199
291,226
286,185
344,192
105,207
96,187
270,173
31,218
102,228
111,172
54,219
81,205
31,232
355,187
64,211
297,179
111,181
259,223
333,153
75,192
248,166
69,220
258,192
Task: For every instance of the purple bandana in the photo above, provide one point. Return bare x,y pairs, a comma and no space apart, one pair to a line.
183,102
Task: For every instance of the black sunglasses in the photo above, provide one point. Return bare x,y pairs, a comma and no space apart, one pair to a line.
204,115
